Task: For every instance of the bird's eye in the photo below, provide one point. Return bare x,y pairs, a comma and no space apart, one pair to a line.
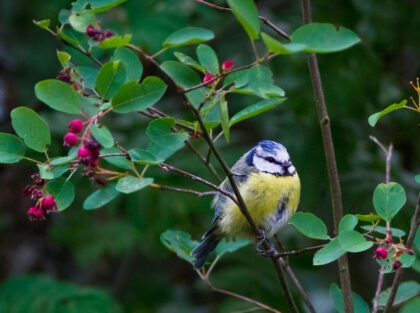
270,159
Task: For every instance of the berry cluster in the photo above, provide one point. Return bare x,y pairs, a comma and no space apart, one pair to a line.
226,66
75,127
43,205
65,76
97,34
381,253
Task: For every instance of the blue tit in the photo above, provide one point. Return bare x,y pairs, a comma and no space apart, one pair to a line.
270,187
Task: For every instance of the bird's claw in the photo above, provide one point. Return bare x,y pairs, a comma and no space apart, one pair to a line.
261,247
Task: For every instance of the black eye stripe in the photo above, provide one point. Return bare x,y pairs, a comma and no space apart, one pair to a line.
271,160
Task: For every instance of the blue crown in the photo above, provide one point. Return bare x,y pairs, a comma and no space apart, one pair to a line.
266,145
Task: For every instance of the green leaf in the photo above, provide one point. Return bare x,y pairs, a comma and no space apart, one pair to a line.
100,197
115,42
60,170
119,161
42,294
185,77
417,239
374,118
324,38
188,36
45,172
260,83
187,60
208,59
132,184
133,97
368,217
110,78
58,95
309,225
405,291
353,241
359,305
132,64
382,230
160,133
80,20
31,128
63,16
348,222
99,6
276,46
43,23
63,57
12,150
102,135
68,38
142,156
225,246
63,192
255,109
412,306
388,199
417,179
89,76
239,79
331,252
407,260
179,242
247,14
224,118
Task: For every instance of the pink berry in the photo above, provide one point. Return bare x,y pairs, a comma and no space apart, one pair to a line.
48,204
227,65
83,153
380,253
108,33
75,126
36,214
208,77
70,140
397,265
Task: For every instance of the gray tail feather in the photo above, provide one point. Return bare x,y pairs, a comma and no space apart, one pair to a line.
202,252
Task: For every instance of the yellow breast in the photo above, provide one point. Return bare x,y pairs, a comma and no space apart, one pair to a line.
263,194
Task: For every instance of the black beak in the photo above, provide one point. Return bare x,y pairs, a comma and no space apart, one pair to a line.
287,164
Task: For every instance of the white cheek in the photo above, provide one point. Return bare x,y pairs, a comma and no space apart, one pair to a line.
265,166
282,156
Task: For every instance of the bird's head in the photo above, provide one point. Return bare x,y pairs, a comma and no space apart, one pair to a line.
271,157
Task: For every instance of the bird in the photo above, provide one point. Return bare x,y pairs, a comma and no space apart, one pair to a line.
270,187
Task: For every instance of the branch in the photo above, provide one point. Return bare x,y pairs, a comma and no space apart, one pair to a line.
204,160
198,193
265,58
294,252
168,167
78,48
263,19
398,274
333,177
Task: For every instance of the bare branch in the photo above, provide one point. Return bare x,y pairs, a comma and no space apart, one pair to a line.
198,193
204,160
334,181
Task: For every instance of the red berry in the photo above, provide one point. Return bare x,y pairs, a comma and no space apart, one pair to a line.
90,30
64,76
36,214
380,253
83,153
108,33
94,163
75,126
208,77
70,140
227,65
397,265
48,204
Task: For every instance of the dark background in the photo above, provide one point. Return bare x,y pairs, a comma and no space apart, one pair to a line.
117,248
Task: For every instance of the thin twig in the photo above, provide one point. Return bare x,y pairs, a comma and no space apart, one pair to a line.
198,193
168,167
263,19
334,181
204,160
398,274
294,252
78,48
378,289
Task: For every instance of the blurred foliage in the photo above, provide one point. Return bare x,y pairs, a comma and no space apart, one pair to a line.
118,249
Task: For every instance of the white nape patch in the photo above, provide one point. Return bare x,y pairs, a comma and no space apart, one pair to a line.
265,166
282,156
291,170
